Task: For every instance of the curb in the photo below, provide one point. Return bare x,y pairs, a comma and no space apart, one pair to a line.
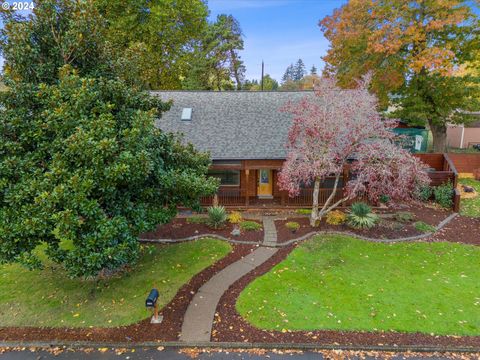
442,224
240,345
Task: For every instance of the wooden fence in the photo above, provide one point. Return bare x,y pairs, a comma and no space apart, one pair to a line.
465,163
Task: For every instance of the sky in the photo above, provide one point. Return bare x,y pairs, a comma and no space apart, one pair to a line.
279,32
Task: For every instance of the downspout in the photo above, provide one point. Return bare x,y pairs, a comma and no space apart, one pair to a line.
461,138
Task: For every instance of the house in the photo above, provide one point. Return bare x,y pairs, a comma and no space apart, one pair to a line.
245,133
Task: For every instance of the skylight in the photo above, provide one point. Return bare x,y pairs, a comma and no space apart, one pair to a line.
187,114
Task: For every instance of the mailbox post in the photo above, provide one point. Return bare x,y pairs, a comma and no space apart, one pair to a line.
151,303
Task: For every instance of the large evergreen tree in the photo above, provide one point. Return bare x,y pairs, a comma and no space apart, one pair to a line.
58,33
83,170
413,48
299,70
215,63
289,74
152,40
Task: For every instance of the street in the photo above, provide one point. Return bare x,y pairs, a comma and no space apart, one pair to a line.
215,354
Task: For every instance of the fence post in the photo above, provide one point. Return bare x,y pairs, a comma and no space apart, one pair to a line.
456,200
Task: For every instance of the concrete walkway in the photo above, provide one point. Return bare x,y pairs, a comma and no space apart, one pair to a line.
270,232
198,320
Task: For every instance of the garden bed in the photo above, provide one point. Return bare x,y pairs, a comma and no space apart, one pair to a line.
180,228
462,229
231,326
168,330
387,228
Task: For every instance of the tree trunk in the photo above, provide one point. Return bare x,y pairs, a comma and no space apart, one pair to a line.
314,215
439,133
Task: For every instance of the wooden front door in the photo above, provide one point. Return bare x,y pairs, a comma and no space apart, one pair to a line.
265,182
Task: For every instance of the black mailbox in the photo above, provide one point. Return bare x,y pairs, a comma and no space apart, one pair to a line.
152,299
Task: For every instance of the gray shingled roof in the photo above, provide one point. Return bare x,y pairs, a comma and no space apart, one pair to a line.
232,125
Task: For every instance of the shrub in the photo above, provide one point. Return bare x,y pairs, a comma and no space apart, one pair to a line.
292,226
423,193
392,225
250,226
235,217
336,217
361,216
196,220
304,211
216,216
424,228
384,199
444,195
404,216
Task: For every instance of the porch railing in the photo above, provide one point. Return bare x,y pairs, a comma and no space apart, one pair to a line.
305,198
226,197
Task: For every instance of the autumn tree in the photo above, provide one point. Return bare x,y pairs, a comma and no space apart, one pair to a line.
413,48
337,126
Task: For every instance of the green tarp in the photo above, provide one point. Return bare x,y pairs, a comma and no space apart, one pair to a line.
414,140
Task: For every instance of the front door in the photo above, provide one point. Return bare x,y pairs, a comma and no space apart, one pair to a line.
264,183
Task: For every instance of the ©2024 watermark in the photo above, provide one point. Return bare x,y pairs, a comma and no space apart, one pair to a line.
17,5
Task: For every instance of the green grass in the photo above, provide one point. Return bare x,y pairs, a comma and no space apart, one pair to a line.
49,298
470,207
341,283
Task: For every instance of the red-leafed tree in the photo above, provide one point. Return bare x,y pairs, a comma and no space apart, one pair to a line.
336,128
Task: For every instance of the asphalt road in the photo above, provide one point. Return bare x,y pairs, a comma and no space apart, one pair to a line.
175,354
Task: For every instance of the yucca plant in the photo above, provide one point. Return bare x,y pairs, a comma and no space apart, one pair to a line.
216,216
361,216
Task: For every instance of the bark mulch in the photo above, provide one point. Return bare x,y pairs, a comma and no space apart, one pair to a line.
168,330
179,228
462,229
386,229
229,325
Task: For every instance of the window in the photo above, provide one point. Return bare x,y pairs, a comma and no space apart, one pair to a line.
227,177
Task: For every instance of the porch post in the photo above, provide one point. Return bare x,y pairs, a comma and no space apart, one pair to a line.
247,200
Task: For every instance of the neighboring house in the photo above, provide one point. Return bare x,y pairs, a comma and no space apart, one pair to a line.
463,137
245,133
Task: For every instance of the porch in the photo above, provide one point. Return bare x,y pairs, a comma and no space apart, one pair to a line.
254,183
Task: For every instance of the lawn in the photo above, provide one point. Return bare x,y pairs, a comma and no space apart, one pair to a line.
49,298
338,282
470,207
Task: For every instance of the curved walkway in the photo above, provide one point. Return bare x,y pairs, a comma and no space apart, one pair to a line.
198,320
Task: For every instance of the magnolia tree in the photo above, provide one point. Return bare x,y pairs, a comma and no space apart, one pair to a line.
340,127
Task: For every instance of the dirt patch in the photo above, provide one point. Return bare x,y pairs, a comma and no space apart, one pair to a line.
179,228
388,227
169,330
230,326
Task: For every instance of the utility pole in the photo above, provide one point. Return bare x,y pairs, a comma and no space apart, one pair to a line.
261,81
